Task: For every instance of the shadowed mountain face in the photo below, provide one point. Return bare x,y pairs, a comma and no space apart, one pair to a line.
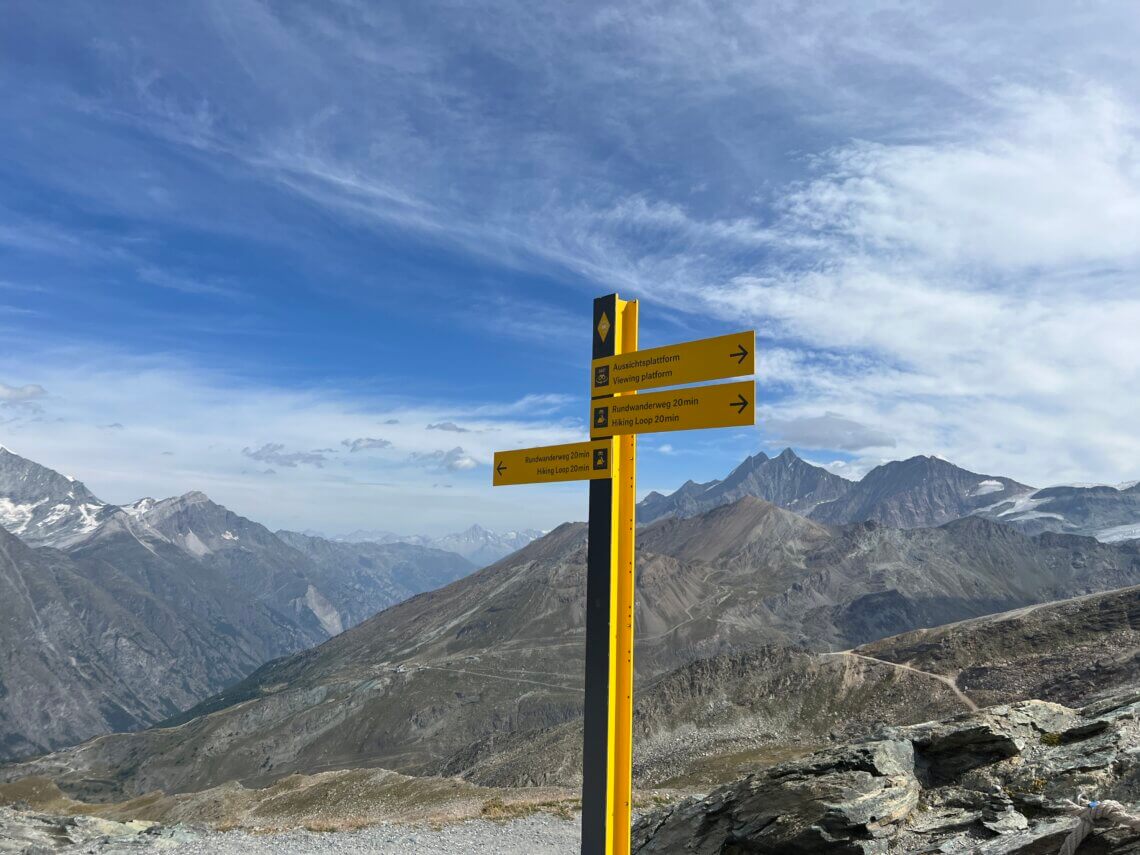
119,636
498,654
786,481
152,607
921,491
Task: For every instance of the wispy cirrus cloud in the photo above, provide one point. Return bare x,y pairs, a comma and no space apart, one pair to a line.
451,427
932,226
20,394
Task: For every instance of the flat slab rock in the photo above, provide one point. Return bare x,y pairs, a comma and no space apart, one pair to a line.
32,833
994,782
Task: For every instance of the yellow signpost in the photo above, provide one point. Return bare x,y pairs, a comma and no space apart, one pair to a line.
578,461
609,462
722,405
676,364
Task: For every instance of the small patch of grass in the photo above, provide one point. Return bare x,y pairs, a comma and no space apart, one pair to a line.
1051,739
496,808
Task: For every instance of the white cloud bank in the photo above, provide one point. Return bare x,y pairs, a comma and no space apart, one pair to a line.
979,297
187,430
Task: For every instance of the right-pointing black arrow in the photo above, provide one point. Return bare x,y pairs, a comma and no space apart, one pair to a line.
500,468
740,353
739,404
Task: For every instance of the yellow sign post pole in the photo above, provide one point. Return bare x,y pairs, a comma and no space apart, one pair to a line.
609,462
607,725
626,488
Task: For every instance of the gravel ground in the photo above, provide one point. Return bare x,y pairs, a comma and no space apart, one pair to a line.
540,834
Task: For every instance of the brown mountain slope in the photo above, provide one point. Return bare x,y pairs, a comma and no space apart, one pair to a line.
500,652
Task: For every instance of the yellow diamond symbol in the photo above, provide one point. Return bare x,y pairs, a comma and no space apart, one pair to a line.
604,326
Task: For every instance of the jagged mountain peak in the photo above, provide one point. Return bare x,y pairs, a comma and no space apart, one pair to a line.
483,546
786,480
43,507
22,479
921,491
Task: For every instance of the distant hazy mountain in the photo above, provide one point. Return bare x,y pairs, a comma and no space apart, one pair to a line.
483,546
479,545
377,536
786,480
1107,513
919,492
432,685
365,578
169,601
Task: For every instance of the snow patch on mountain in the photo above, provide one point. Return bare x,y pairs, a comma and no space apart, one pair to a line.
1119,533
990,485
15,517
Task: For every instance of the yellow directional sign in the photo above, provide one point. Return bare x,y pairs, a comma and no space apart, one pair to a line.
610,464
690,362
578,461
723,405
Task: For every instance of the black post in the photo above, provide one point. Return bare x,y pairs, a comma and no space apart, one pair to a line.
599,567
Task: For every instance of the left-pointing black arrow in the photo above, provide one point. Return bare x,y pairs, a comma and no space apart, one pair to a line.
740,353
500,468
740,404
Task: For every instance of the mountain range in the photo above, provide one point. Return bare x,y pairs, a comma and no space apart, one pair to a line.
150,607
446,681
117,617
477,544
918,492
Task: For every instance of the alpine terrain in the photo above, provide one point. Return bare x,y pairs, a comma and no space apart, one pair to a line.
919,492
117,617
460,680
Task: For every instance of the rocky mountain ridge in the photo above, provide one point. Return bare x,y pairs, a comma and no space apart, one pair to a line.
44,508
1110,514
498,655
785,480
920,492
146,609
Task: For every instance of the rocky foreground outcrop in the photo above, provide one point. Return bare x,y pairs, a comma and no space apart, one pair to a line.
28,832
995,782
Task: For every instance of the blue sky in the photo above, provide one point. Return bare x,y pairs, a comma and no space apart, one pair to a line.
321,259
